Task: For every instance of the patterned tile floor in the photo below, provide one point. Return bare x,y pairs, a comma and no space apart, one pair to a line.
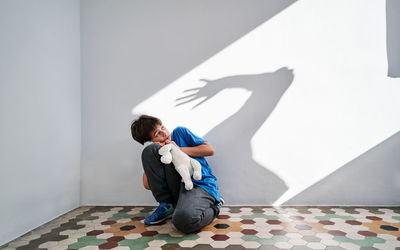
235,228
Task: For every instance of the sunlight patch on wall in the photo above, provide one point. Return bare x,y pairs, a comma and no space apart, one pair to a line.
201,119
339,105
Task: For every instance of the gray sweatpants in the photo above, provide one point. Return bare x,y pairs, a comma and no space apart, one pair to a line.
194,209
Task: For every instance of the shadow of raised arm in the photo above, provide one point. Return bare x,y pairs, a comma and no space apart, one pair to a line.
256,82
209,90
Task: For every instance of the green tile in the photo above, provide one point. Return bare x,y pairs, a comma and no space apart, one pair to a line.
138,246
92,240
250,238
375,239
266,241
269,241
87,241
396,217
139,243
127,216
144,239
367,242
174,240
77,245
330,216
258,215
126,242
161,237
342,239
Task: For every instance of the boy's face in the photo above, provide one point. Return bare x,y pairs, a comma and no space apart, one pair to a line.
160,134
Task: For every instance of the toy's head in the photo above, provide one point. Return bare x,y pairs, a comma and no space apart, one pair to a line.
165,152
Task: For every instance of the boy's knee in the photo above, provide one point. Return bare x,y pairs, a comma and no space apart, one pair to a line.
185,221
150,150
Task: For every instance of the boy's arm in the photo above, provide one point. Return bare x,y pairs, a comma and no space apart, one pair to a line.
145,183
201,150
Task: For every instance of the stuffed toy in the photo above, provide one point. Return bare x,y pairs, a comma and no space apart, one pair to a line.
184,165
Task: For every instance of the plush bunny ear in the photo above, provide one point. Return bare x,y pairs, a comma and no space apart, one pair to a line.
147,143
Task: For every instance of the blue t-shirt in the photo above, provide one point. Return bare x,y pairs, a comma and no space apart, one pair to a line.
183,137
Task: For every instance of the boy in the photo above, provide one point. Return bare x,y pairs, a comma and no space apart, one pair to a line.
190,210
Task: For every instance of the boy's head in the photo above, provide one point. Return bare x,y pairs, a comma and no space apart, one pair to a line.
149,128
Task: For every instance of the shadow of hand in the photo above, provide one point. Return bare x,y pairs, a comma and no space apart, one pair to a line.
207,91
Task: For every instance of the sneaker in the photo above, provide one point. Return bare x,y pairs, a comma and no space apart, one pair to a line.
163,212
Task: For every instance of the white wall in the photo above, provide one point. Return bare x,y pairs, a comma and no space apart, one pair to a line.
371,179
40,113
295,91
393,37
130,50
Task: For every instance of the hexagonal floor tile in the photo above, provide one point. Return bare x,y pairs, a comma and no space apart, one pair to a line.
296,228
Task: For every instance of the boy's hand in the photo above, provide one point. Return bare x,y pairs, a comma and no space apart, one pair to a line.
160,143
172,142
167,142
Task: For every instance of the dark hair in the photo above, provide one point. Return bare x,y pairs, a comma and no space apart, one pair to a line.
143,126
